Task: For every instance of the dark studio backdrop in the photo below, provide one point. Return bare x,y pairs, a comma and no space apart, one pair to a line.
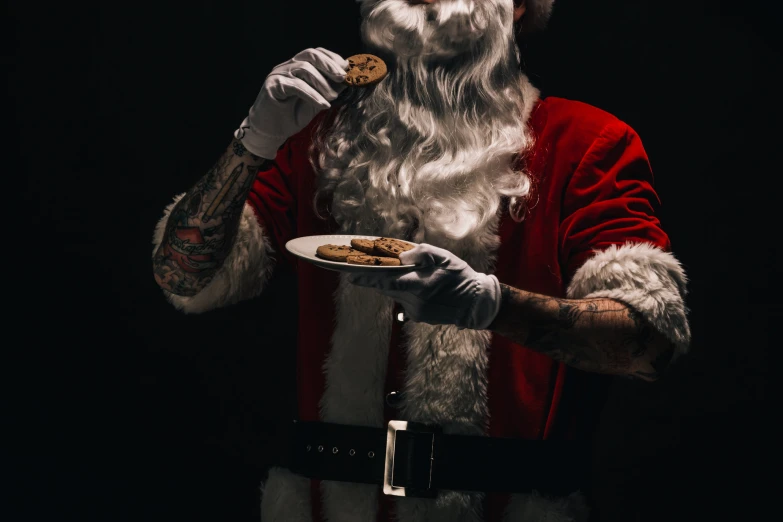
121,408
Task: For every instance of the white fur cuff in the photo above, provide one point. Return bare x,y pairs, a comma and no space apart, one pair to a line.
243,275
534,507
644,277
285,497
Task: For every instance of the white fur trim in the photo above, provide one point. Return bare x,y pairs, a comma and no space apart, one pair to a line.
446,384
354,389
454,396
356,365
531,96
534,507
285,497
349,501
646,278
354,394
244,273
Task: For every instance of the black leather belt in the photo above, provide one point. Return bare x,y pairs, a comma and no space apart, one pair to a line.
416,460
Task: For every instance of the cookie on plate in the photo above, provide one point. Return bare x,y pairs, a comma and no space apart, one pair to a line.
335,252
365,245
373,260
392,247
365,70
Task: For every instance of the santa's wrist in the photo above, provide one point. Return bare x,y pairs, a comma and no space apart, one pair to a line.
257,142
486,304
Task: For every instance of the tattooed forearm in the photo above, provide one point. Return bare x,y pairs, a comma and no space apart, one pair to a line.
597,335
203,225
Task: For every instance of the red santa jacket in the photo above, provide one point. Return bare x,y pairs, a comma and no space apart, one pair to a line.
591,229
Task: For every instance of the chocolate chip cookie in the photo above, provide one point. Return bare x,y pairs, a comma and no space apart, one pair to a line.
373,260
365,245
391,247
336,252
365,70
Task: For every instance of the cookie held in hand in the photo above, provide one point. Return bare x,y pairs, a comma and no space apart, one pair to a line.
365,70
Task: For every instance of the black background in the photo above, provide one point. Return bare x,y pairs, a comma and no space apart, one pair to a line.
121,408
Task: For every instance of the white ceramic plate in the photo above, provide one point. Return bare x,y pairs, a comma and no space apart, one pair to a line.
305,247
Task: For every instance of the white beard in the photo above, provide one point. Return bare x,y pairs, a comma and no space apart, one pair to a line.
428,154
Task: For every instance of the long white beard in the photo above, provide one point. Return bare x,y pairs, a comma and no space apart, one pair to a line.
429,152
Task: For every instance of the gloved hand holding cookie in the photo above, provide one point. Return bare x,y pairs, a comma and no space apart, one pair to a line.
296,90
292,94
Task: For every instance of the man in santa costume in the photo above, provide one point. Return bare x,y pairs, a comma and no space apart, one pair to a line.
542,270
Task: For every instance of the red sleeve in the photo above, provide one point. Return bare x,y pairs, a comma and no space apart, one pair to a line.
272,197
276,191
610,200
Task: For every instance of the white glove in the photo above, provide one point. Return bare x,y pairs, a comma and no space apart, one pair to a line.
293,93
444,290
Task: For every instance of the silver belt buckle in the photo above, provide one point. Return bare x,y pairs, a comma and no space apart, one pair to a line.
388,471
